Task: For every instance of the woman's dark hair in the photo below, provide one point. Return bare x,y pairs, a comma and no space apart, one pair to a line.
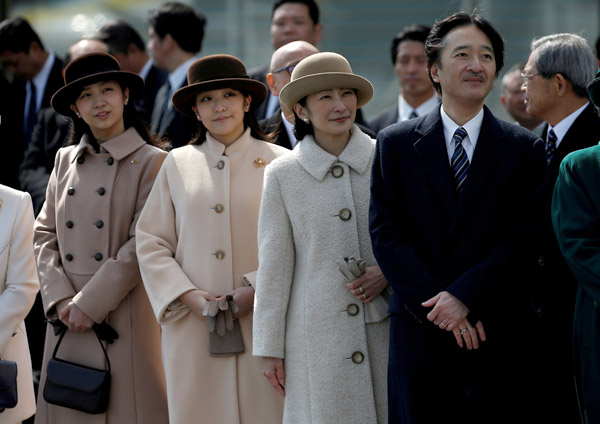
131,118
301,128
250,121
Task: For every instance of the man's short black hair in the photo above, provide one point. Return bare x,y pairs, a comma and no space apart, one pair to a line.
414,32
183,23
16,35
313,8
118,36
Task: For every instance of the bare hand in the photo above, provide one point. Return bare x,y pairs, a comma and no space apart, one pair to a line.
273,370
368,286
195,300
75,318
243,298
471,336
448,311
60,310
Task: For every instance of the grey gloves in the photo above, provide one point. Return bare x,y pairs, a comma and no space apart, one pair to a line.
218,315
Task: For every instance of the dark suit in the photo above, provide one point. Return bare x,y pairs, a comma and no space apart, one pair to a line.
388,117
180,128
144,103
427,239
273,124
13,138
553,288
260,74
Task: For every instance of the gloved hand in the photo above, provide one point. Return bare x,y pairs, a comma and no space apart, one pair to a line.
218,314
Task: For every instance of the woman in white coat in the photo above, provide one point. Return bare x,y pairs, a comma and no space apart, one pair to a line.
322,350
18,287
197,238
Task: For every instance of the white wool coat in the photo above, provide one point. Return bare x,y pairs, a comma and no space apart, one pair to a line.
335,364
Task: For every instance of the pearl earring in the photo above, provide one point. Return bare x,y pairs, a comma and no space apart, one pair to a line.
306,120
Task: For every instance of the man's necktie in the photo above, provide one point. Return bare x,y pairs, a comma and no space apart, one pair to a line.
163,97
31,112
551,145
460,161
413,115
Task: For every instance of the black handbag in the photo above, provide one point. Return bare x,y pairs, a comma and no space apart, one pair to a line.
76,386
8,385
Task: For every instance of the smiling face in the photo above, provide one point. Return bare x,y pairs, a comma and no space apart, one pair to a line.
466,68
101,106
222,113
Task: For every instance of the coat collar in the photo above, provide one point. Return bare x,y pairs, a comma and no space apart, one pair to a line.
317,162
119,147
217,148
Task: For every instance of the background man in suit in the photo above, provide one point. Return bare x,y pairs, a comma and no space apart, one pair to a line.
126,45
417,96
38,74
176,32
281,124
291,20
455,200
554,81
513,100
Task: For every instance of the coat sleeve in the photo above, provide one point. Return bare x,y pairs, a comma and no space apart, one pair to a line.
21,275
157,240
576,219
276,257
54,283
119,274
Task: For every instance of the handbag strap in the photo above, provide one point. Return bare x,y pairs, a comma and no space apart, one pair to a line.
99,341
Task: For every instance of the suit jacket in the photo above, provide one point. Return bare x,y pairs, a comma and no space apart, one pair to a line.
180,129
144,103
386,118
260,74
274,124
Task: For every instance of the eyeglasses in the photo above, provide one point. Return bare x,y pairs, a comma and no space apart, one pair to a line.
288,68
527,76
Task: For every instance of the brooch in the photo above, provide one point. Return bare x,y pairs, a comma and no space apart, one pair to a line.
259,163
134,161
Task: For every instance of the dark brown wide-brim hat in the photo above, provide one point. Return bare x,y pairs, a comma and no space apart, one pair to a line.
213,73
324,71
593,90
89,69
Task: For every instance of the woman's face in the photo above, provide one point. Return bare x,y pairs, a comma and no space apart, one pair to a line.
222,113
101,106
331,112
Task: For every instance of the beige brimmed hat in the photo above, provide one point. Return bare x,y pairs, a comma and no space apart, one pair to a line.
323,71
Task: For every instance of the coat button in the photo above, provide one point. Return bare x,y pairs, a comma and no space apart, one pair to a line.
221,164
99,224
219,254
110,161
345,214
352,309
80,160
219,208
358,357
69,257
541,261
101,191
337,171
71,191
98,256
69,224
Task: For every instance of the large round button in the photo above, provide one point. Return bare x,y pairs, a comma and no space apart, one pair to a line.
220,254
101,191
99,224
352,309
98,256
69,257
71,191
358,357
80,160
221,164
219,208
345,214
69,224
110,161
337,171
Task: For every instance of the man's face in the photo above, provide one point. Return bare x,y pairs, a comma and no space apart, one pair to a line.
467,66
157,48
20,65
411,69
292,22
538,97
513,98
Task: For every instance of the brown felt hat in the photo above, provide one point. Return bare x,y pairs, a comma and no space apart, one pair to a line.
89,69
324,71
213,73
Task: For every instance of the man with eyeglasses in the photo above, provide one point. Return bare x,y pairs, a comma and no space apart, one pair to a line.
513,100
554,81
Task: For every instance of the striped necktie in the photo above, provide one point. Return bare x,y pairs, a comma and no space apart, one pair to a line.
551,145
460,161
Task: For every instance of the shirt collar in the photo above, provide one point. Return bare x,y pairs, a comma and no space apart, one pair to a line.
179,76
289,128
472,127
118,147
146,69
41,78
404,109
563,126
318,162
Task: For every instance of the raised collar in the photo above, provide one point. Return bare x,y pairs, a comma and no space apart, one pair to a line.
216,147
317,162
118,147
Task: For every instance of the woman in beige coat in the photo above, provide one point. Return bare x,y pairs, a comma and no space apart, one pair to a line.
323,339
18,287
197,240
85,244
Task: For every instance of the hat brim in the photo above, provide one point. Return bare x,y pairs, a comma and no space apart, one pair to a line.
309,84
64,97
184,98
593,90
